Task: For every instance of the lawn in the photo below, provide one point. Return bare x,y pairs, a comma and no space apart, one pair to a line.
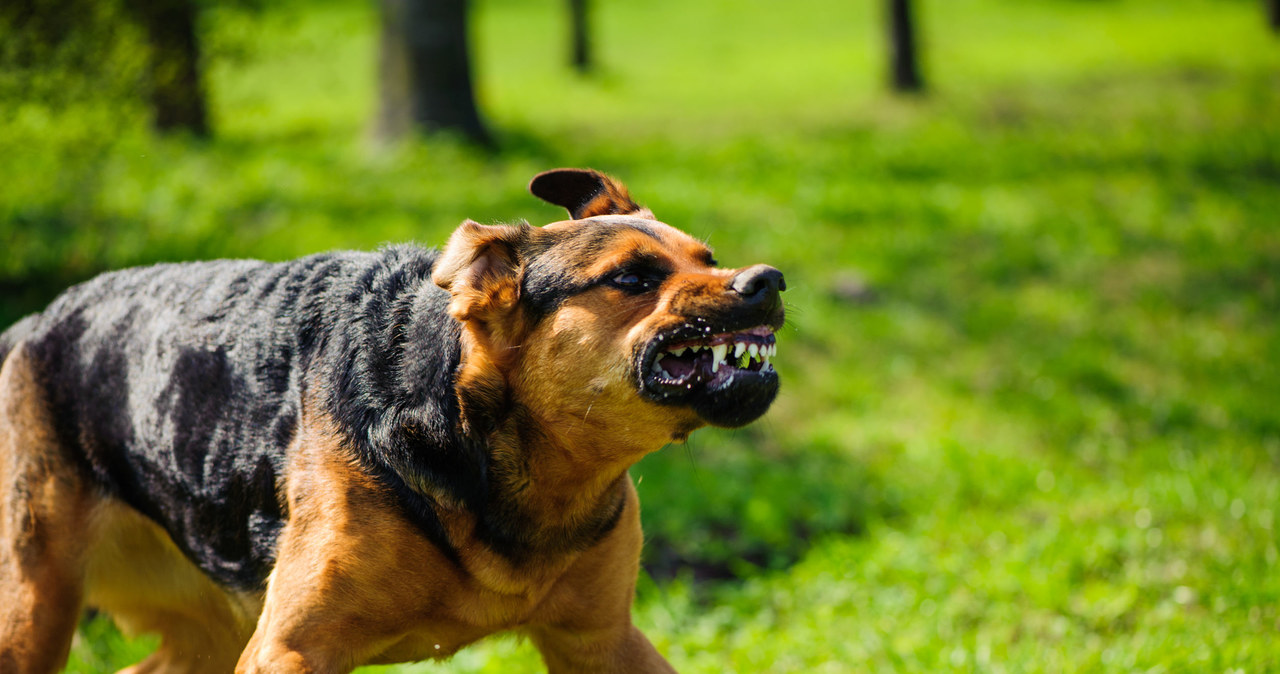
1030,418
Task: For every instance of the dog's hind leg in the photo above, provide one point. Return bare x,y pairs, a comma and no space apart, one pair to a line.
44,509
186,647
136,574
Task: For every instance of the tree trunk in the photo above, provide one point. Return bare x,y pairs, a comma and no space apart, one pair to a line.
579,16
1273,14
177,89
904,68
425,70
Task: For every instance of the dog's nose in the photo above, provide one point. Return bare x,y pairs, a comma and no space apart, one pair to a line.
760,283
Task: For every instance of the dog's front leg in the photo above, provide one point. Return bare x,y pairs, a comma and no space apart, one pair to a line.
621,649
352,575
270,654
585,624
349,583
310,621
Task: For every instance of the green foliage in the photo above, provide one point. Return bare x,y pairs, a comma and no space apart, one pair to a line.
1029,419
98,647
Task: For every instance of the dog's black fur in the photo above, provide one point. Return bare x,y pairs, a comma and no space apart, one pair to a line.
211,359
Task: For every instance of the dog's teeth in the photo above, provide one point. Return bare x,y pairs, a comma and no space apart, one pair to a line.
738,349
677,352
754,350
717,356
657,367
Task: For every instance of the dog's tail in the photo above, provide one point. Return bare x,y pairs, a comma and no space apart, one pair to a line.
16,333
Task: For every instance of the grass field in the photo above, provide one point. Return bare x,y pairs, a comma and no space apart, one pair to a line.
1031,408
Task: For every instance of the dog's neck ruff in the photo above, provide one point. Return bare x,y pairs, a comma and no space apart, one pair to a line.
391,386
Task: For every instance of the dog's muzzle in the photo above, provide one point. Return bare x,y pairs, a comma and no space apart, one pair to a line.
721,365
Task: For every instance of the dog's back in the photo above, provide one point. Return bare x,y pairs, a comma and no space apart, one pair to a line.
177,387
145,419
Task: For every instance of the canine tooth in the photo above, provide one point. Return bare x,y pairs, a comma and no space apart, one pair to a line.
738,349
754,350
717,355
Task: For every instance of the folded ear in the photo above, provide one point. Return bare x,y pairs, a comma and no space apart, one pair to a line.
480,267
585,193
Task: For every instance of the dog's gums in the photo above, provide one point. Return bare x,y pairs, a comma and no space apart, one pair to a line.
726,377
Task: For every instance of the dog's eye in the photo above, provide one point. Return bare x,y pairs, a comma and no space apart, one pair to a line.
630,280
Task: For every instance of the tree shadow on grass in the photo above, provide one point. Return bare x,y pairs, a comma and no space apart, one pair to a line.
731,504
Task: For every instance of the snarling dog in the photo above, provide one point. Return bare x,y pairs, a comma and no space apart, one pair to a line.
368,457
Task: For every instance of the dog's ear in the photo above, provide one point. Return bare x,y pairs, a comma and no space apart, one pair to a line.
480,267
584,193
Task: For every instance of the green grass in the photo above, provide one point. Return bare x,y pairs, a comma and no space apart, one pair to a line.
1049,440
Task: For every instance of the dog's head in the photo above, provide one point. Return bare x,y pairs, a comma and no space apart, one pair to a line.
610,321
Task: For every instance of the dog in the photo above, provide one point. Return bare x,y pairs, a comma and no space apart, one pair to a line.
357,458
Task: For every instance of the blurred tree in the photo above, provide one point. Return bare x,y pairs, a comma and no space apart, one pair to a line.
579,17
425,70
904,68
177,90
62,51
52,50
1273,10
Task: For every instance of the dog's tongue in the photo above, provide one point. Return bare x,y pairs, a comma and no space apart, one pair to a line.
677,366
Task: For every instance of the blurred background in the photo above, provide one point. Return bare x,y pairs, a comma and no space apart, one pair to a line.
1030,418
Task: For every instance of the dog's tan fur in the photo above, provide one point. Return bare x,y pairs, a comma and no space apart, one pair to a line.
44,511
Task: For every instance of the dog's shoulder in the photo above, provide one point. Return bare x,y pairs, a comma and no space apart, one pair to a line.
389,370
